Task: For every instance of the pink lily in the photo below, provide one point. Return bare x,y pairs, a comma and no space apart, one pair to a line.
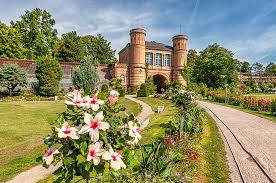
94,152
116,161
75,97
48,157
95,103
67,131
93,125
113,97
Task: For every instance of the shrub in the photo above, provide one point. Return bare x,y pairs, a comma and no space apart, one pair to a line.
273,107
121,91
150,85
104,88
48,73
115,83
11,76
143,91
86,77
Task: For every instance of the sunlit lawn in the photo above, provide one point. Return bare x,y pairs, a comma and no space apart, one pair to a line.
23,126
262,95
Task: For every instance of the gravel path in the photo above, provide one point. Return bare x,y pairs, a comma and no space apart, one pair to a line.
250,143
38,172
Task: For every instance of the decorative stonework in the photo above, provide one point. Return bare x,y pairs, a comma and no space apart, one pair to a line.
133,56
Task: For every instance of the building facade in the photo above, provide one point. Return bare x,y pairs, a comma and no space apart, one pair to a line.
141,58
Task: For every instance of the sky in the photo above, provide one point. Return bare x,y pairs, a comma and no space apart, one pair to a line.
246,27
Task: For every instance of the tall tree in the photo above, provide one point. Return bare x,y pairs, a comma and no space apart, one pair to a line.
99,48
245,67
192,58
37,29
11,76
216,67
11,43
269,68
48,73
70,48
258,68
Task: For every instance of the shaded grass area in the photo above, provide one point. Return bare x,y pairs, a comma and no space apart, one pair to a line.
262,114
23,127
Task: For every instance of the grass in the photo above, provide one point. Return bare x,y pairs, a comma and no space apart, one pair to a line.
262,114
23,126
262,95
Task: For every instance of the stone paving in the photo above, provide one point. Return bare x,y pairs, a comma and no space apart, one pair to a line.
250,143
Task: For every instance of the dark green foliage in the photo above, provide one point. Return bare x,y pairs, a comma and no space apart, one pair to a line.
38,33
174,85
49,73
273,107
258,67
121,91
216,67
115,83
150,85
70,48
11,43
86,76
192,58
99,48
11,76
104,88
143,91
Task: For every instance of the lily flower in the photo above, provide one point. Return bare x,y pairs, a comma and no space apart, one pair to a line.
93,125
85,102
67,131
116,161
113,97
94,152
75,97
48,157
134,132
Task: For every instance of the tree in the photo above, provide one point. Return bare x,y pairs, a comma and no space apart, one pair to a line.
99,48
192,58
270,69
86,76
258,68
11,76
39,36
245,67
48,73
11,43
70,48
216,67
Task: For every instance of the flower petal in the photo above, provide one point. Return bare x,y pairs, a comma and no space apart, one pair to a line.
94,135
87,118
99,116
106,156
103,126
95,107
96,160
84,129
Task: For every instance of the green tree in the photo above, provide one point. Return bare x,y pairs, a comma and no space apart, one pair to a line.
48,73
11,76
86,76
270,69
39,36
192,58
11,43
245,67
216,67
70,48
99,48
258,68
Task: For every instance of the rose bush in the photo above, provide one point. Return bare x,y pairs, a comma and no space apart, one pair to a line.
91,141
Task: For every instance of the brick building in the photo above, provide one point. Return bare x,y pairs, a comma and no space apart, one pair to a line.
164,62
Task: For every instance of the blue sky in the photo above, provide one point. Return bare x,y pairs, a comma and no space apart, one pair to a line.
247,27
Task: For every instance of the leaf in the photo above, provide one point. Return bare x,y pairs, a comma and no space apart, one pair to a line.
80,159
84,148
68,160
87,166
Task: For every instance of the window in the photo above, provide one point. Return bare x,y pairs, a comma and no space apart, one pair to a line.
158,58
167,60
149,58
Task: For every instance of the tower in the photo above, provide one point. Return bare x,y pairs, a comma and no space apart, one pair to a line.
179,56
137,57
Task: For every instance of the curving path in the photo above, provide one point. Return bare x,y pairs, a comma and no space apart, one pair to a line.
250,143
38,172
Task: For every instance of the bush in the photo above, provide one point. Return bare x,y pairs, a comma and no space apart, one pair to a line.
143,91
48,73
150,85
11,76
121,91
273,107
104,88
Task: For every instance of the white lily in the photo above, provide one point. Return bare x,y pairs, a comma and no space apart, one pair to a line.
75,97
48,157
95,103
95,151
116,161
93,125
134,132
67,131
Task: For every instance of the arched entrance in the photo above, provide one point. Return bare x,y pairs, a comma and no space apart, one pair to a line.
160,82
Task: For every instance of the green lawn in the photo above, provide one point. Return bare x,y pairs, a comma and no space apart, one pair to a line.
23,126
263,95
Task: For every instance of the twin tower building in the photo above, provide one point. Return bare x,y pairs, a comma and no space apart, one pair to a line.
140,59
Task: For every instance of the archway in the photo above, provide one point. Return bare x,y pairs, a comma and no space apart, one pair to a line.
160,82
